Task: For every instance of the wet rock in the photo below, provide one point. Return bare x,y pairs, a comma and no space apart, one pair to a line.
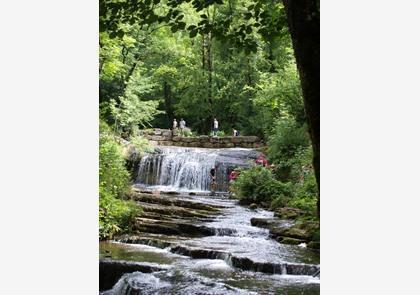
314,245
253,206
173,227
199,253
274,268
288,213
163,200
292,232
290,241
154,242
111,270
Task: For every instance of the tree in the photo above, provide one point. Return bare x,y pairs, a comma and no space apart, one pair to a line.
303,20
251,36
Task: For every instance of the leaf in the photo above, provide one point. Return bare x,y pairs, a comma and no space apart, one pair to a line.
193,33
206,29
247,15
181,25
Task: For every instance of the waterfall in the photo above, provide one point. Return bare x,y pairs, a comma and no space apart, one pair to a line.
188,169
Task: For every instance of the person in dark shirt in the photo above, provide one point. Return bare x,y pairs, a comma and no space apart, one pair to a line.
213,179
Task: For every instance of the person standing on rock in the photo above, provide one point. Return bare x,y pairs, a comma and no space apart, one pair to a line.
174,127
215,127
182,124
213,179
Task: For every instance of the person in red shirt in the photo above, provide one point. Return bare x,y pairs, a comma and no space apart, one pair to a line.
233,175
261,160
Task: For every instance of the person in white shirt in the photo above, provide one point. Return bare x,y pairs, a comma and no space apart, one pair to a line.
215,127
182,124
174,124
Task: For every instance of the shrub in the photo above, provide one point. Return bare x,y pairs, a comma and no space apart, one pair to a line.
219,133
141,143
288,138
113,176
258,185
186,133
115,214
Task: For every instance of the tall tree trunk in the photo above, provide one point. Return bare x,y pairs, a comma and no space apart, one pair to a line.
167,96
303,21
208,69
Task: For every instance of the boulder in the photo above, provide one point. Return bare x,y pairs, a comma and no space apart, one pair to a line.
158,131
167,134
165,142
288,213
250,139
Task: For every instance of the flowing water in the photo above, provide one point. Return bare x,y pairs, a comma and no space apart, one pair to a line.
221,267
187,169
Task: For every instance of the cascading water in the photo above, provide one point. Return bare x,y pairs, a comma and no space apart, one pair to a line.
188,169
230,257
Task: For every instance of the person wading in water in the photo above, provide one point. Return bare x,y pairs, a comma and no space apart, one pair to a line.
213,180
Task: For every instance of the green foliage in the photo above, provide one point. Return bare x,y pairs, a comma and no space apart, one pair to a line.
131,111
141,144
194,61
219,133
187,133
113,177
258,185
286,140
301,174
115,214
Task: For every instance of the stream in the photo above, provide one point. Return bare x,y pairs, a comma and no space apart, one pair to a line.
226,256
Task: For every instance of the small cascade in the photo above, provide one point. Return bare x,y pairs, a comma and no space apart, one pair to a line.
188,169
283,269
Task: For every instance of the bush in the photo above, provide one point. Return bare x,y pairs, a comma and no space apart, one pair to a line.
141,143
219,133
258,185
113,176
115,214
288,138
187,133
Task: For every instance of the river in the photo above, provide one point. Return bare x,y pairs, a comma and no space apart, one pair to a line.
235,258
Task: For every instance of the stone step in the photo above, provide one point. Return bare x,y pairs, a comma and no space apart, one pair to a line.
245,263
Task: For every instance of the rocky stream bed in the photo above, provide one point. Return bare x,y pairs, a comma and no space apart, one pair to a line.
200,244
